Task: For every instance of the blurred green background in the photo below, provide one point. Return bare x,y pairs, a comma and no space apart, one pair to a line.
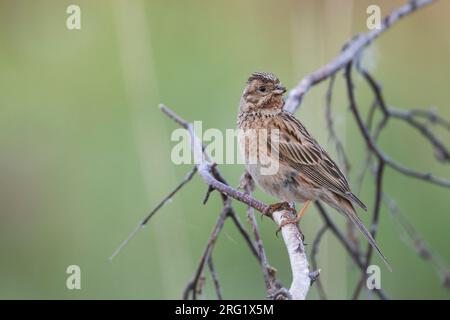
85,152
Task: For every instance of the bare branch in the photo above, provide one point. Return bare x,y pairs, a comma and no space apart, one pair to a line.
441,151
301,280
428,177
192,286
348,54
272,285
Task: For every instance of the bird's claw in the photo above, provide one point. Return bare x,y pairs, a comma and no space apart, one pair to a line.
290,220
278,207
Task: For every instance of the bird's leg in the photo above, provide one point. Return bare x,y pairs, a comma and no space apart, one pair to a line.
303,210
296,219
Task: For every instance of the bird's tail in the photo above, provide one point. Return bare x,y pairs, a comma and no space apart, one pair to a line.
350,212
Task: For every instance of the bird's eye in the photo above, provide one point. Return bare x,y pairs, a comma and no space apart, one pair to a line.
262,89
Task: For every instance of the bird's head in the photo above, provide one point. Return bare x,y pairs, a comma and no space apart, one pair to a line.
263,91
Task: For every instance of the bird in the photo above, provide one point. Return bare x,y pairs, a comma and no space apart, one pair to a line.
305,172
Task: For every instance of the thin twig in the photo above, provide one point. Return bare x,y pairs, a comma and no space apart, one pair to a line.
346,244
215,278
373,225
191,287
165,200
368,159
441,151
340,150
313,258
244,234
417,242
432,116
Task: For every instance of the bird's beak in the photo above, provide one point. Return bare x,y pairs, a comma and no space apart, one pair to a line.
279,89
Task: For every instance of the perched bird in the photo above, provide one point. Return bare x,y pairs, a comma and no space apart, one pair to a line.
305,171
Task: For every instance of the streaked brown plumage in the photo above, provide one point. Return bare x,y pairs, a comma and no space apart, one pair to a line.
305,171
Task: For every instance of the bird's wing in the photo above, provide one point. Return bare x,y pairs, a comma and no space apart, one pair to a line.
299,150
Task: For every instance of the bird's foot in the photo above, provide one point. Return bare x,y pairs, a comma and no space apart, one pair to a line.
278,207
290,220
